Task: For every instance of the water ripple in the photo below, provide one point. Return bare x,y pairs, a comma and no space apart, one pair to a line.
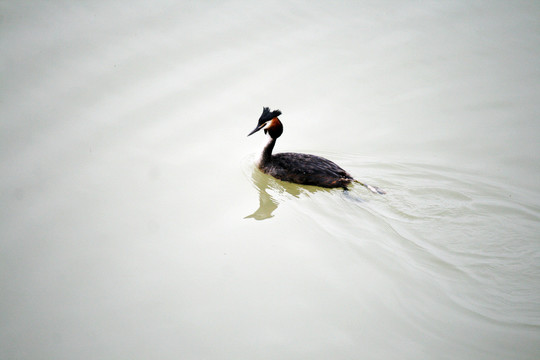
463,239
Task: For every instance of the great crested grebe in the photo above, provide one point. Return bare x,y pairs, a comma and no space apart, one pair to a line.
304,169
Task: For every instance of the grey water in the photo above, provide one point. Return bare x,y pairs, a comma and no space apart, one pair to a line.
135,224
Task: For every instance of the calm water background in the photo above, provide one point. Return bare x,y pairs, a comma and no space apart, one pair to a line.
134,224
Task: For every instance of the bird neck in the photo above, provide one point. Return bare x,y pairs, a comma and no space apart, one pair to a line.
267,151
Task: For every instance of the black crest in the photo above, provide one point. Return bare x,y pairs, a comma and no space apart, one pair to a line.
268,115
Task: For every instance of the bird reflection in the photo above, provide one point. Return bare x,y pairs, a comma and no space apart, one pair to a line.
267,204
271,193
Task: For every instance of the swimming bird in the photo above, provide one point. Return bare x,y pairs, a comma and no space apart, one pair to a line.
304,169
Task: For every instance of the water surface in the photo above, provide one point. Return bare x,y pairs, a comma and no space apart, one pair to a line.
135,225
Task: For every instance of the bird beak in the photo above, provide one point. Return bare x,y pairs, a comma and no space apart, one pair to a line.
259,127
